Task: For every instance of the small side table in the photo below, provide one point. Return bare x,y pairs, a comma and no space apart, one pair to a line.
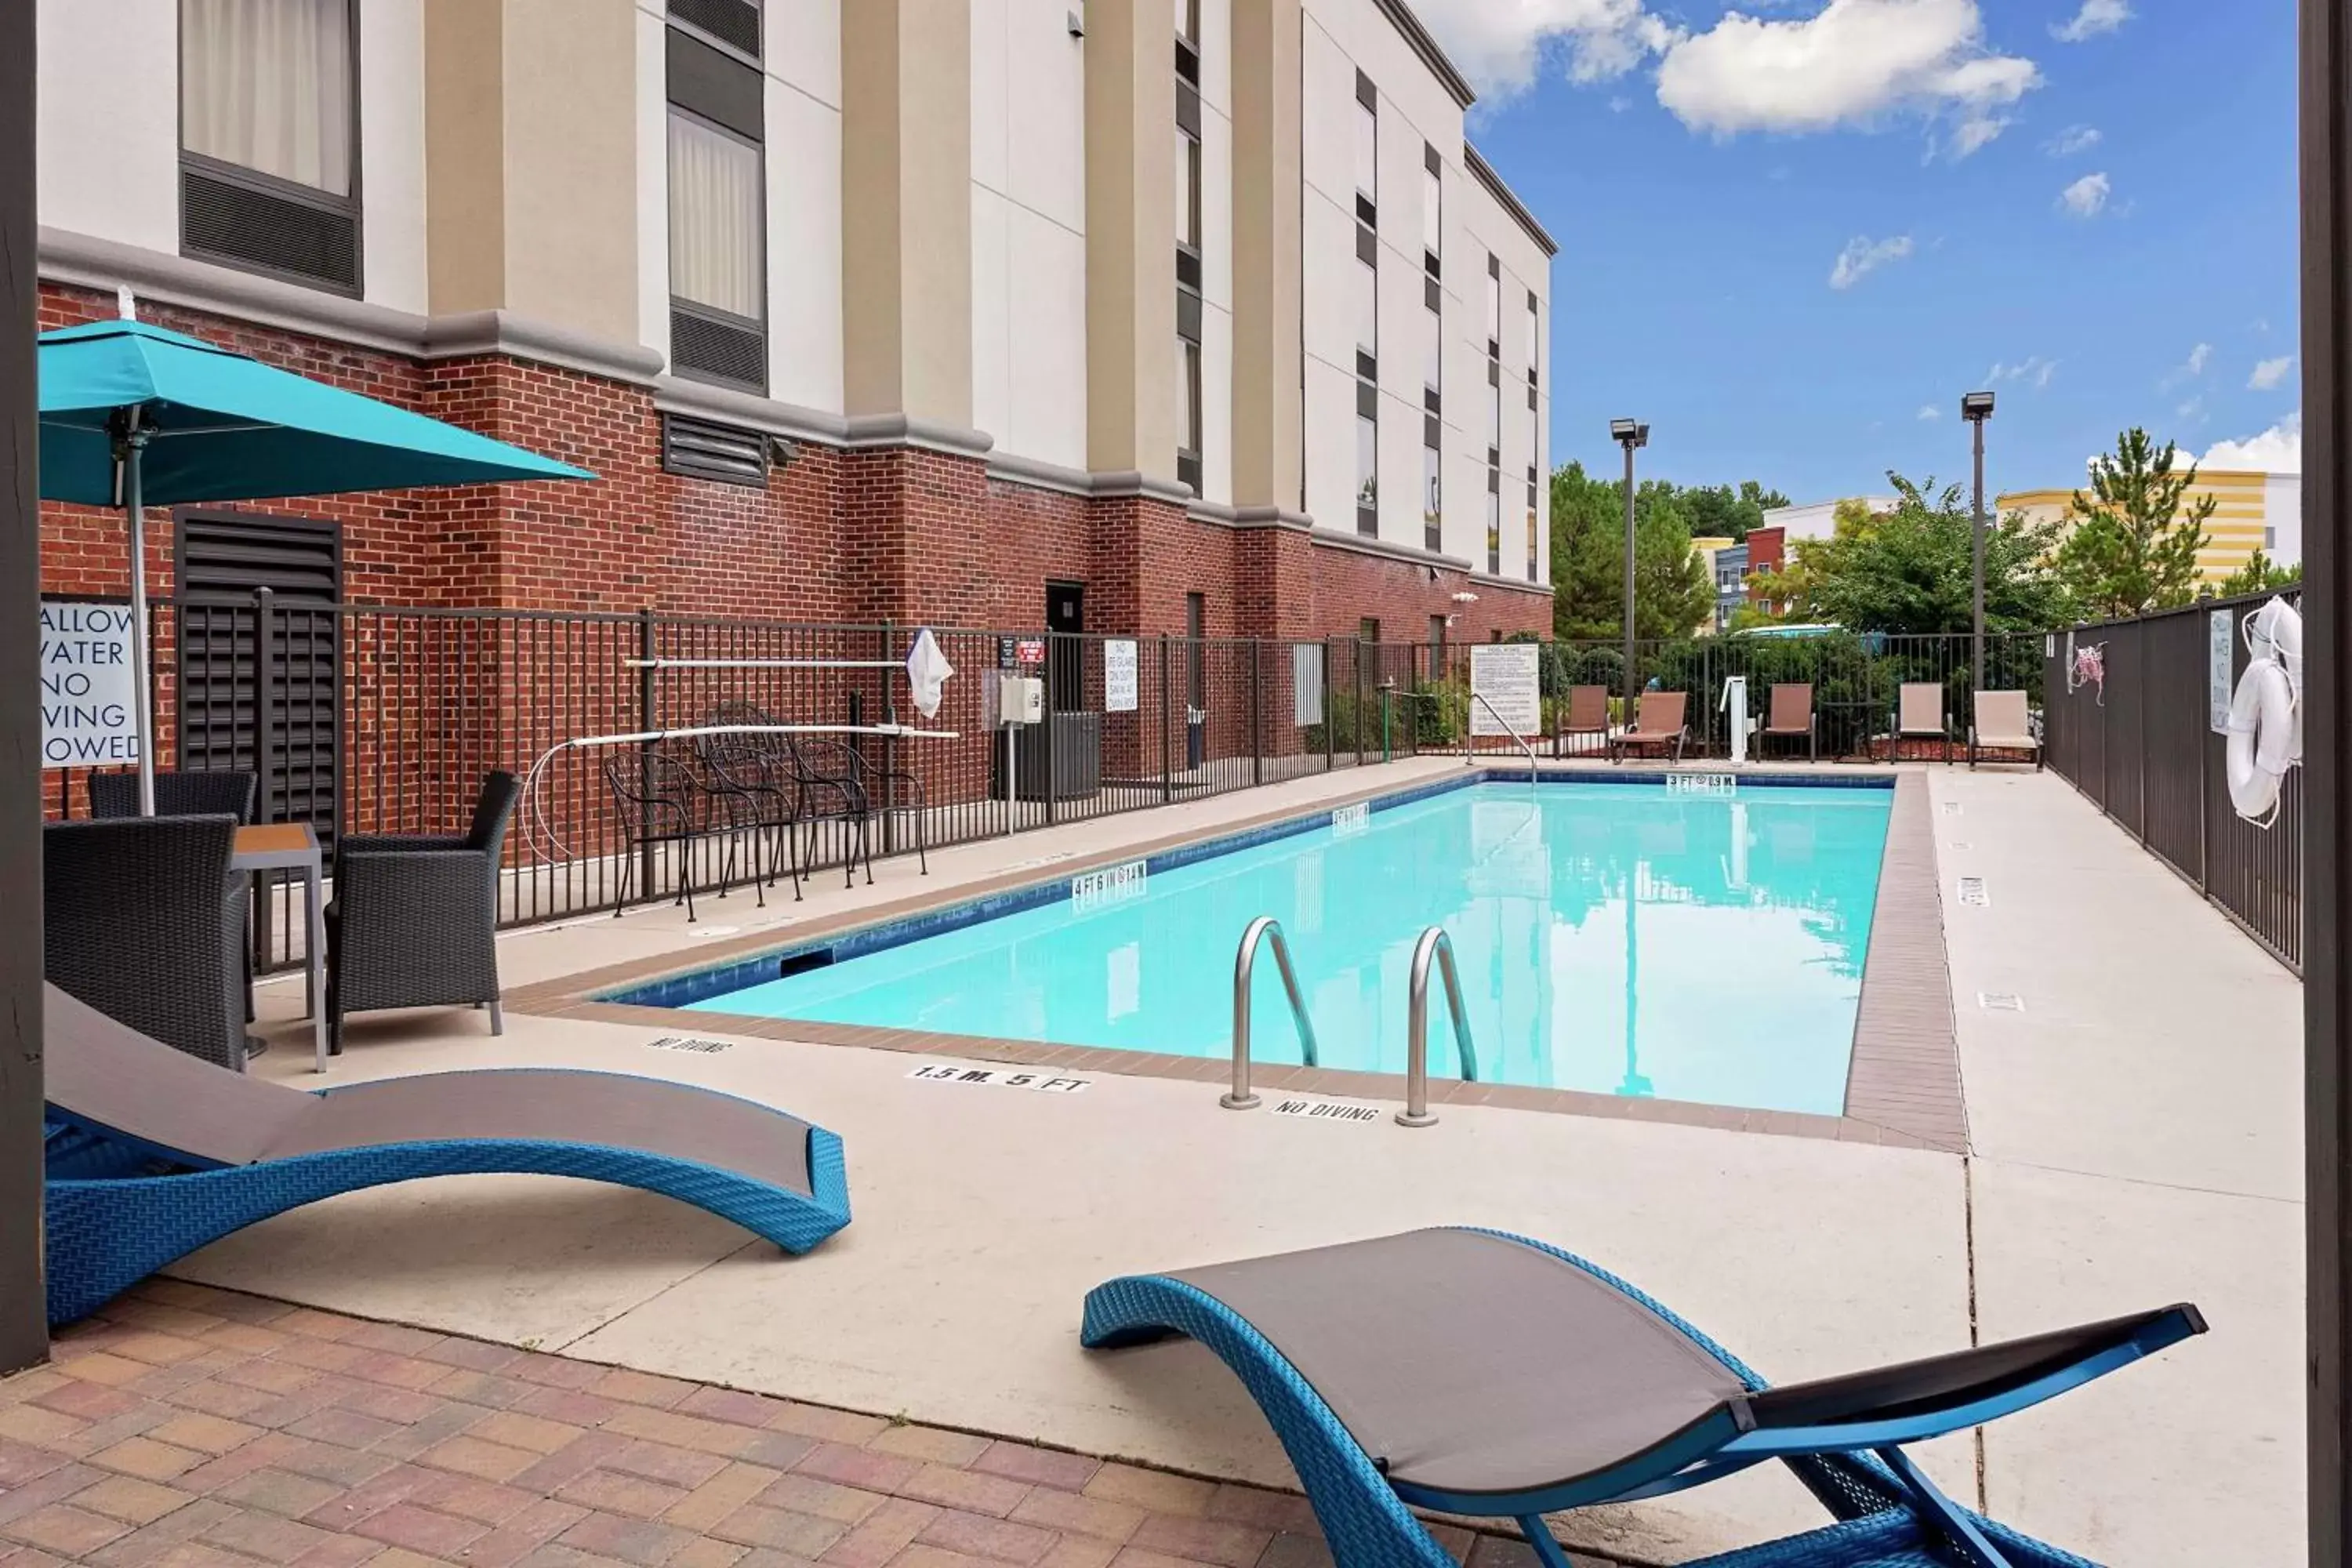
286,847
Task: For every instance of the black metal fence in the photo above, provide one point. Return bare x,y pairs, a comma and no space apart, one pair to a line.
2130,721
373,719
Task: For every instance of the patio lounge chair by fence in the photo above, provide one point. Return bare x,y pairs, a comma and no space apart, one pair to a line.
2002,724
235,1151
1657,722
1586,713
416,917
143,920
1474,1373
1919,713
1792,719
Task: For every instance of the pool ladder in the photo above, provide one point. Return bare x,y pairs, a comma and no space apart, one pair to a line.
1434,947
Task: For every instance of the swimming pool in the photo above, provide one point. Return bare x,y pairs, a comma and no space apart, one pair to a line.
1615,937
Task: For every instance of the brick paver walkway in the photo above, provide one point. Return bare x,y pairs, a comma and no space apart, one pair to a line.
187,1428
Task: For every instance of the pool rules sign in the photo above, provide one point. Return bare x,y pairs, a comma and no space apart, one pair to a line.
88,718
1506,693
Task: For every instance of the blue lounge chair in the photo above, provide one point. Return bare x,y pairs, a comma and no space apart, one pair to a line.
152,1153
1474,1373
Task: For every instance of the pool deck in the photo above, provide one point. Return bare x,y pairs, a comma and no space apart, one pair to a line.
2134,1138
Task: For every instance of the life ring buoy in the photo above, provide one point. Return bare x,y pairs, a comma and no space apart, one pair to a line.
2262,738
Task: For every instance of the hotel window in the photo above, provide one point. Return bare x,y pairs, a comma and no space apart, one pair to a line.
268,138
1366,307
1433,486
1493,521
1432,209
1495,307
1188,243
1196,664
1368,629
1531,522
1433,349
1494,412
1535,345
717,194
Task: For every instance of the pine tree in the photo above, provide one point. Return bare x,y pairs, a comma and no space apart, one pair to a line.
2134,547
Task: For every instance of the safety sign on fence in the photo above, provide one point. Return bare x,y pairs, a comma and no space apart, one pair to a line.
1504,674
88,718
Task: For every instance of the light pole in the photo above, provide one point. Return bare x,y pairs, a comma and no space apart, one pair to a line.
1976,408
1629,434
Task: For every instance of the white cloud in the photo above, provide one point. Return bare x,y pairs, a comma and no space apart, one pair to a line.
1502,47
2277,451
2270,374
2072,140
2087,196
1929,411
2095,17
1853,63
1863,256
2035,369
2191,412
2199,358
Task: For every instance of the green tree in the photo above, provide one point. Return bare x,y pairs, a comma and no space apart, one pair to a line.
1722,510
2260,574
1672,592
2134,547
1909,569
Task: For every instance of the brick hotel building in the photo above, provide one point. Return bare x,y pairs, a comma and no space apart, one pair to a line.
1193,319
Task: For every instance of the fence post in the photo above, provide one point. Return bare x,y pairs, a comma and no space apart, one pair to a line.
1257,711
648,705
1053,736
1330,711
890,752
264,699
2143,732
1167,759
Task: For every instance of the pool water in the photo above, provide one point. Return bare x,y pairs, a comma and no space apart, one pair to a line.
1614,938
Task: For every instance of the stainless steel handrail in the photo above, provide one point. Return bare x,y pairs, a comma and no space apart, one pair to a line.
1480,698
1434,942
1244,961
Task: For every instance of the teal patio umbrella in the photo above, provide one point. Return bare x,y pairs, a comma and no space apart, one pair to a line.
133,414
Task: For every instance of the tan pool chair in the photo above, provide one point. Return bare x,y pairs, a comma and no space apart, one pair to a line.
1657,722
1587,713
1792,719
1921,712
2002,725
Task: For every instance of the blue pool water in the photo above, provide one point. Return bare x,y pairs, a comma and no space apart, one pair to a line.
1614,938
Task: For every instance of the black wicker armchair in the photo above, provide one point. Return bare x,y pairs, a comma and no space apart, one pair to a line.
176,794
143,920
415,919
189,794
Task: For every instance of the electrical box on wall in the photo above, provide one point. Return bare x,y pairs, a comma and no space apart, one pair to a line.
1020,699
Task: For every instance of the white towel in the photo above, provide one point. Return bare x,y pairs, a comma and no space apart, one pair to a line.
927,671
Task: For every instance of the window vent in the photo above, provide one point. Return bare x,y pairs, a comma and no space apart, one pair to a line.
225,220
734,23
701,451
718,350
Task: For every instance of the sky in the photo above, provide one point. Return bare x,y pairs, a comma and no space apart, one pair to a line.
1794,233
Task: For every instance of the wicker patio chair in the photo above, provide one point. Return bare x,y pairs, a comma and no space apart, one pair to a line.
655,797
832,788
415,919
206,793
143,920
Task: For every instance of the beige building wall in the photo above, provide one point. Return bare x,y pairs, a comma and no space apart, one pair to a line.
1134,419
1266,431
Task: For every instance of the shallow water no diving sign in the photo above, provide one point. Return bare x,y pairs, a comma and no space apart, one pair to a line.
1701,784
1351,819
1326,1110
998,1078
1111,885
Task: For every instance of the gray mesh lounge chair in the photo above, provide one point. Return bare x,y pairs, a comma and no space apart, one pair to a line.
416,917
1587,713
143,920
150,1154
1474,1373
2003,724
1657,723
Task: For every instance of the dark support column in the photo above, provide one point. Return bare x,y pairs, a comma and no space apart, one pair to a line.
23,1322
2327,137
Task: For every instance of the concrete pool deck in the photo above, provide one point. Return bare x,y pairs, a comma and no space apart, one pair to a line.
2134,1134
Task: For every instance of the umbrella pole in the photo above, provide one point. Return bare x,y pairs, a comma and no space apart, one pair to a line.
132,445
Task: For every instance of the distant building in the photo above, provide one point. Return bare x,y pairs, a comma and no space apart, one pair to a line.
1709,547
2251,511
1767,557
1818,520
1729,567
